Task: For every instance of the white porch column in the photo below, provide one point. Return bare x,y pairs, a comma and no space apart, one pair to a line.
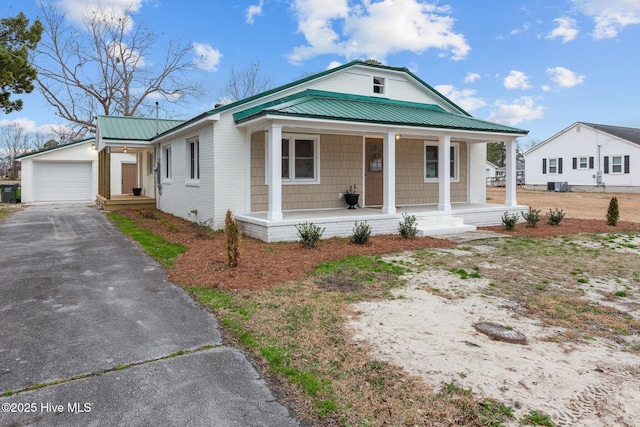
389,173
275,173
510,183
444,173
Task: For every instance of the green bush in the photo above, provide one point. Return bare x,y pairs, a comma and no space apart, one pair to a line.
361,233
613,213
509,220
532,217
232,239
408,227
309,234
554,217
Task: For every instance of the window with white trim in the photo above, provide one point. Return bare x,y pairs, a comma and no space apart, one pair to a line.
553,165
166,162
583,162
616,164
193,159
300,158
378,86
431,161
149,163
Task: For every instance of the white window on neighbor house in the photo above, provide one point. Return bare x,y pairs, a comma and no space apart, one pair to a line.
431,161
166,162
616,164
193,159
583,162
379,87
553,165
300,159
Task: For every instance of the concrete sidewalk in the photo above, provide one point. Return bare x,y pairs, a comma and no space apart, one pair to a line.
78,298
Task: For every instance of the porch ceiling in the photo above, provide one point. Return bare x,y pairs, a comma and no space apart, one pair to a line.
312,104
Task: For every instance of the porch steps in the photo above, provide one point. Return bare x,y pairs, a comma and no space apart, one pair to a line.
441,224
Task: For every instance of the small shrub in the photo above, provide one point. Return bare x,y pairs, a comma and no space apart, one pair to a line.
532,217
361,233
203,228
408,227
309,234
613,213
554,217
232,239
509,220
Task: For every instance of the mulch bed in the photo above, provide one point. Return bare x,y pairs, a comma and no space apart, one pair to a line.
268,264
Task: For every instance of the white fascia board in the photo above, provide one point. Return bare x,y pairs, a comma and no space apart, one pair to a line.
185,129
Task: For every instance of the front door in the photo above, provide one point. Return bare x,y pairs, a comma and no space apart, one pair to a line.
373,172
129,175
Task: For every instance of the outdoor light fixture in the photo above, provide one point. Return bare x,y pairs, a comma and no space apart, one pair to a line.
93,147
125,150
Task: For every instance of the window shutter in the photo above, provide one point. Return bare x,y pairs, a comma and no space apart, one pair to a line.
544,166
575,163
606,164
590,162
626,164
560,166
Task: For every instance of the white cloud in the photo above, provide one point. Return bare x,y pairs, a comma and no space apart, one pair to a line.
465,98
77,10
564,77
472,77
516,80
207,58
29,127
517,111
122,53
610,16
333,64
253,11
566,30
375,29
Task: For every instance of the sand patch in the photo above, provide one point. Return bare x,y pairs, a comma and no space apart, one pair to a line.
432,335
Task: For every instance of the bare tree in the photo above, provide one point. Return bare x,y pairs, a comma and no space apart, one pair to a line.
104,69
246,82
14,142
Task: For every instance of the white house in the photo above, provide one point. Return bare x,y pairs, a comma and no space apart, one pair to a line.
288,155
69,172
586,157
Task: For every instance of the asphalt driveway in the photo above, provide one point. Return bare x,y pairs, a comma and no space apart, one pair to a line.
87,315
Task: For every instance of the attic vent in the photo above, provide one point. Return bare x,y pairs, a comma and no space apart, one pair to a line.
578,128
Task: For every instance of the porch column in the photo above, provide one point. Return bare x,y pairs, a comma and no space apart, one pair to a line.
444,173
389,173
510,183
275,173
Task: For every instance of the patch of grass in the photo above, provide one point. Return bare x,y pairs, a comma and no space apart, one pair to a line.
620,294
153,244
537,418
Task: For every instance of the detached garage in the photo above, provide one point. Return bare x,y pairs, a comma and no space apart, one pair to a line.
68,173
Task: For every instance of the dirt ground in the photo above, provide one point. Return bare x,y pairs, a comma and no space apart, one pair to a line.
432,335
576,205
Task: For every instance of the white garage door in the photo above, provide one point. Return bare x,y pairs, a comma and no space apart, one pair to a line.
61,181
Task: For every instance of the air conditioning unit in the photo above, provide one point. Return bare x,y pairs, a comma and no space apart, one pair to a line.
559,187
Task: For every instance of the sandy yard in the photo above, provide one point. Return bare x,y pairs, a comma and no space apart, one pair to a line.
429,331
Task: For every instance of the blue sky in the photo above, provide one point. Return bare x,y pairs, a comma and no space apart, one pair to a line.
537,65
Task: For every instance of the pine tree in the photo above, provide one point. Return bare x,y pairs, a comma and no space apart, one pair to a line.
613,214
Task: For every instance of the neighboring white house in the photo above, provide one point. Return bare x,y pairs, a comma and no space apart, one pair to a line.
288,155
586,157
491,170
69,173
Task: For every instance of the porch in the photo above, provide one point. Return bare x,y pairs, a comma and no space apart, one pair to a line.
339,222
126,201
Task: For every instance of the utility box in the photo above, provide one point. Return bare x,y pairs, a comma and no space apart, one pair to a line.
559,187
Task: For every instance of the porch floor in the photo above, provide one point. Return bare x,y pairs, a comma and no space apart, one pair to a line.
126,201
339,222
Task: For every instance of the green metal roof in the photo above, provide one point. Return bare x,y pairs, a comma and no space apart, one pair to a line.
355,63
134,128
57,147
354,108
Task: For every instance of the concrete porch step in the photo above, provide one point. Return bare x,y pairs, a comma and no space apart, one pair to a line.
442,224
